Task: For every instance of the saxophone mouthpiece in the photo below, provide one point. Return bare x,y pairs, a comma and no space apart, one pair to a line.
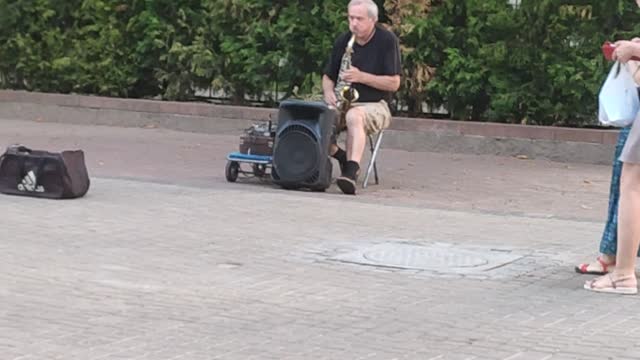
351,41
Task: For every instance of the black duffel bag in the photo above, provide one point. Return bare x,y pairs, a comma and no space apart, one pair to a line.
43,174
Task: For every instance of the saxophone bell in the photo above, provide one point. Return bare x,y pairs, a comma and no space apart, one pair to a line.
350,94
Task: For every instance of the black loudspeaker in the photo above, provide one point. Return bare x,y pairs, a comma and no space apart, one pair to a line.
301,146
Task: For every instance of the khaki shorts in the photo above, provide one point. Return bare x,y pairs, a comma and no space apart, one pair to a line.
378,117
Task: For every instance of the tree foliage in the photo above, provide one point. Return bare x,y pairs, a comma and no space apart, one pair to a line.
484,60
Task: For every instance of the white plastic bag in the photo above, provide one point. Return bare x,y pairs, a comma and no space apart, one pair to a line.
618,99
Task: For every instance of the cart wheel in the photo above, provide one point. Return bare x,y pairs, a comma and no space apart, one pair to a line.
259,170
231,171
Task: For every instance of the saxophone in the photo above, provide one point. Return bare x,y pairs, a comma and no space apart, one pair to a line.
345,93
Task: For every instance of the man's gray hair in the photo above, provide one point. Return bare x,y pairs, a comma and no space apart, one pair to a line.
372,8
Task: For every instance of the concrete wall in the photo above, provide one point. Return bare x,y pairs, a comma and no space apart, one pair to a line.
410,134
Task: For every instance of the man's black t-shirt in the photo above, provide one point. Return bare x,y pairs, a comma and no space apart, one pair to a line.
379,56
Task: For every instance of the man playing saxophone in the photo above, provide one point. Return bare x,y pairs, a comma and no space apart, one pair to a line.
359,80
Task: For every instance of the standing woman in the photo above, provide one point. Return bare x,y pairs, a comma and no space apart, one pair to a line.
622,279
609,241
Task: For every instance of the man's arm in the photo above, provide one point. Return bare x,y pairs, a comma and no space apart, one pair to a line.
328,90
381,82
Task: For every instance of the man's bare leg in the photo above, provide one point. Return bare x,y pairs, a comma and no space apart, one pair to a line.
356,135
355,144
333,148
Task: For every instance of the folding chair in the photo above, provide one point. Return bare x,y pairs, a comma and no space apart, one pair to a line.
372,163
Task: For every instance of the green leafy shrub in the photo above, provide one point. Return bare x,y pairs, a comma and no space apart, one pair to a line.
539,63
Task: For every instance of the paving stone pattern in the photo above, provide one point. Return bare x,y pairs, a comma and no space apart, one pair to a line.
146,267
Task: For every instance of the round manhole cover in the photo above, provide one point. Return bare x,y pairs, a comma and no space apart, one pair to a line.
419,257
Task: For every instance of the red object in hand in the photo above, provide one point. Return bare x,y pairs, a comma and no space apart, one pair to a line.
607,50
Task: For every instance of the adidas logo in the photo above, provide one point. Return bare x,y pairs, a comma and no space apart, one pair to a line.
29,183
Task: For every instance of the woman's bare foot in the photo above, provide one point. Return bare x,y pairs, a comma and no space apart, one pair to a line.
603,265
614,283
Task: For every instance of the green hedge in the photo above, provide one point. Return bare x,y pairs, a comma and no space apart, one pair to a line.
479,59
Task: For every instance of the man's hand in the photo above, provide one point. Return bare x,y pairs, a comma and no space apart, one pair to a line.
330,98
353,75
328,91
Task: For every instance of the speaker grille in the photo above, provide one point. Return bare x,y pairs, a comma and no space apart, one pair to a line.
296,155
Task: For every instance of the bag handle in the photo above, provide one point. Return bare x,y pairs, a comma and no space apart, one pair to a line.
23,149
17,149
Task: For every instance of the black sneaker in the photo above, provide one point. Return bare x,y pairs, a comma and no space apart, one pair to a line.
347,185
342,165
347,181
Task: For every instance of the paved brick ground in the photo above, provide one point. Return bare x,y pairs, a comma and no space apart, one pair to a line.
165,260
